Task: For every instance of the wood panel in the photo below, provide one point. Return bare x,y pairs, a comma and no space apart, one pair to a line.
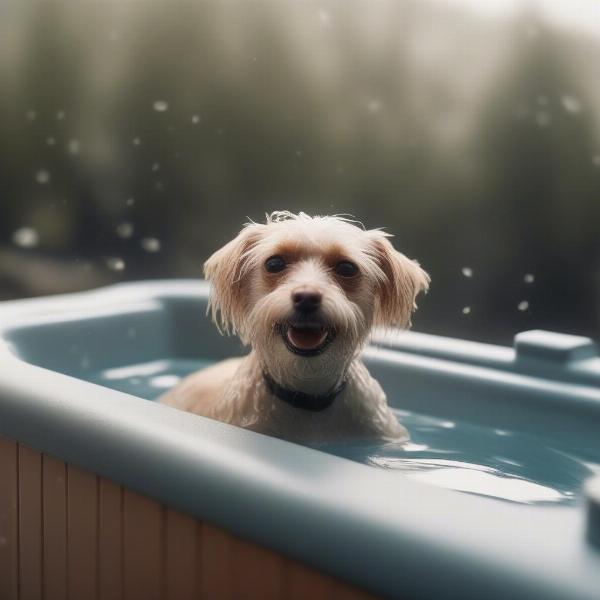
82,533
181,564
30,523
142,549
66,534
54,517
9,519
110,540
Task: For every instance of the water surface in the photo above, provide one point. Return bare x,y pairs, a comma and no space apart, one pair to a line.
461,456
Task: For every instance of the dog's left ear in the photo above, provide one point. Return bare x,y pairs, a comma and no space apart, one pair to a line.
403,279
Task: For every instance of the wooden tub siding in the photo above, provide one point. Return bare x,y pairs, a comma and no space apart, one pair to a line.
67,534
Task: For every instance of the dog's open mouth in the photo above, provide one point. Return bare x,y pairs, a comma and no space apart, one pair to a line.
306,338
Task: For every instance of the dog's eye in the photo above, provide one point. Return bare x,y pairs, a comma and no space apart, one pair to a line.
346,269
275,264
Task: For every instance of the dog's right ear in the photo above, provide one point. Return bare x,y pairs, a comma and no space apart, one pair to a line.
227,271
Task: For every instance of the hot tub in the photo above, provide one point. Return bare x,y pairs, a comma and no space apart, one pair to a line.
106,494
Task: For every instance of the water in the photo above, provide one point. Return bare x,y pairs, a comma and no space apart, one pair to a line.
501,464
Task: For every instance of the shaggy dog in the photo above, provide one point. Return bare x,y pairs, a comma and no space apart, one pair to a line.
304,292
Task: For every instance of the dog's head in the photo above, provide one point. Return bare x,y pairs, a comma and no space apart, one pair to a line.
306,291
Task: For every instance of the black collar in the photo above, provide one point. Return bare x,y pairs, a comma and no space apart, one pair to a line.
300,399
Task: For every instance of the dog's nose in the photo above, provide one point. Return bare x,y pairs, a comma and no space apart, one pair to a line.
306,301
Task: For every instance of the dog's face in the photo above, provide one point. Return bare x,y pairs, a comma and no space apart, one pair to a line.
306,291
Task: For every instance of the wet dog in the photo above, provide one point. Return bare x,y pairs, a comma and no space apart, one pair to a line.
304,293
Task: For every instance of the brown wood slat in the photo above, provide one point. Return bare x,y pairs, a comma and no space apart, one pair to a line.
110,540
257,573
215,561
54,506
142,551
9,518
82,534
303,582
180,556
344,591
30,524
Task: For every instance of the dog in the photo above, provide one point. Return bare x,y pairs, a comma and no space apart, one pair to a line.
304,293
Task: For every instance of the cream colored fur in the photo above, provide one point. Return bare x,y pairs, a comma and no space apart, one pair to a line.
247,301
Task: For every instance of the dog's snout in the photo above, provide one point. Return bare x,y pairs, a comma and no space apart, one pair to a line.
306,300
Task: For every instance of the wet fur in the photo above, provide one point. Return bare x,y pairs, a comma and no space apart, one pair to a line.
248,301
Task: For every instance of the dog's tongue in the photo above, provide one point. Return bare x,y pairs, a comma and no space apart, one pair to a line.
306,339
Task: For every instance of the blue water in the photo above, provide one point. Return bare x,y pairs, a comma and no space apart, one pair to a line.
457,455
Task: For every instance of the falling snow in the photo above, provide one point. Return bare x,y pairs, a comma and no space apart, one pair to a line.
324,17
50,141
136,141
160,106
31,115
467,271
130,202
115,263
543,119
26,237
529,278
195,119
150,244
124,230
571,104
374,106
466,310
42,176
523,305
60,115
74,147
156,166
596,160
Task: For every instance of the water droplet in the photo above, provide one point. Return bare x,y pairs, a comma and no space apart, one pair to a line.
466,310
196,119
150,244
115,263
571,104
50,141
467,271
26,237
74,147
42,176
60,115
124,230
324,17
374,106
529,278
31,115
136,141
543,119
523,305
160,105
